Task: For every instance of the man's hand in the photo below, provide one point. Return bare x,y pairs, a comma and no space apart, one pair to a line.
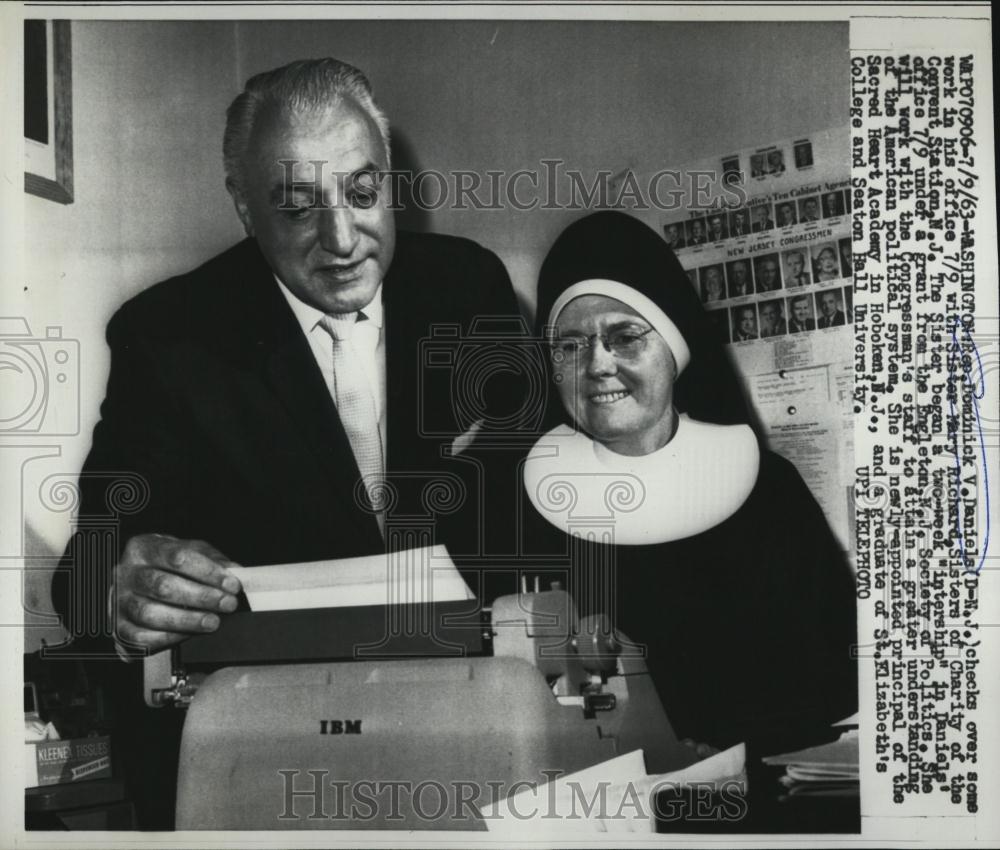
166,590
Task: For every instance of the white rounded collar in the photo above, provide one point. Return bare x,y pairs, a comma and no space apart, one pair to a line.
696,481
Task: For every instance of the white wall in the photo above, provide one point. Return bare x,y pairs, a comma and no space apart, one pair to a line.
148,113
149,102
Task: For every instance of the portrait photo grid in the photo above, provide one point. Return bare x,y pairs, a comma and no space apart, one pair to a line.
771,268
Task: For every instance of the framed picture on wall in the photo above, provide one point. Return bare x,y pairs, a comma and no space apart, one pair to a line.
48,110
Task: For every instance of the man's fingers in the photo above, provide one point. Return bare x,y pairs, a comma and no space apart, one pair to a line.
167,589
147,614
210,551
192,562
193,558
176,589
131,637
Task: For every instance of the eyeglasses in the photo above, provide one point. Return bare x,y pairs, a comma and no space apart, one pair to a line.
623,344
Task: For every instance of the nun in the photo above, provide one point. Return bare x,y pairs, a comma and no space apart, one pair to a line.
706,551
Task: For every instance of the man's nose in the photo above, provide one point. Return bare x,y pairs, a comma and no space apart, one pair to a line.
600,360
338,233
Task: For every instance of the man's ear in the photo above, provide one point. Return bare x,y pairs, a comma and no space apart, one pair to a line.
240,202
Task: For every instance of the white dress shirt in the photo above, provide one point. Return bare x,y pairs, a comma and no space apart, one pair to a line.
369,344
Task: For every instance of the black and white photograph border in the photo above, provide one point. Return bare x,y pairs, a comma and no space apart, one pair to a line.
508,123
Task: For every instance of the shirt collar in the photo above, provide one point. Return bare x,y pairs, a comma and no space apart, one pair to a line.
309,317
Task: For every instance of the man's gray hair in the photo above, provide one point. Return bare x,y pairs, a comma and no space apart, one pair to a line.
302,86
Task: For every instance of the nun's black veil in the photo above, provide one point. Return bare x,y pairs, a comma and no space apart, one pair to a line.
614,246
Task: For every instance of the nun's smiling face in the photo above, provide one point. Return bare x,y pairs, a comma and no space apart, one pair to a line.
622,397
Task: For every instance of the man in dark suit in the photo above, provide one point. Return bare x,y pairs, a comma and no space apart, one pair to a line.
768,276
801,318
744,324
832,205
263,403
717,228
674,235
738,275
831,314
762,219
223,389
772,322
809,210
696,232
738,224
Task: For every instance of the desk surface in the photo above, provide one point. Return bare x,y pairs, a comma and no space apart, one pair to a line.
73,795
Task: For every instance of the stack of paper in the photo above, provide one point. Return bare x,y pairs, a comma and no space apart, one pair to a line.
828,770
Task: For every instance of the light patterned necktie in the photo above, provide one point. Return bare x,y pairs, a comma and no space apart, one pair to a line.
356,405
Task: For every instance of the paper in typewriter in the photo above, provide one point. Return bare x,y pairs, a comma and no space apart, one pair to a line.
411,576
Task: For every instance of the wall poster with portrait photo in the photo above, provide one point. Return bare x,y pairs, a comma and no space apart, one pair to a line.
779,270
48,110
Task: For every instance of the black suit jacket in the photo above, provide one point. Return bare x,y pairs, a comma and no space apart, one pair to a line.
217,424
218,417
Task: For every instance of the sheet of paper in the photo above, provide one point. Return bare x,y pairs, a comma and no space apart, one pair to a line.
724,765
585,801
613,796
411,576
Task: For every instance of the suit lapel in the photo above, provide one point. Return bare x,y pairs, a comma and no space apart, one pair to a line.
400,362
412,456
287,366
